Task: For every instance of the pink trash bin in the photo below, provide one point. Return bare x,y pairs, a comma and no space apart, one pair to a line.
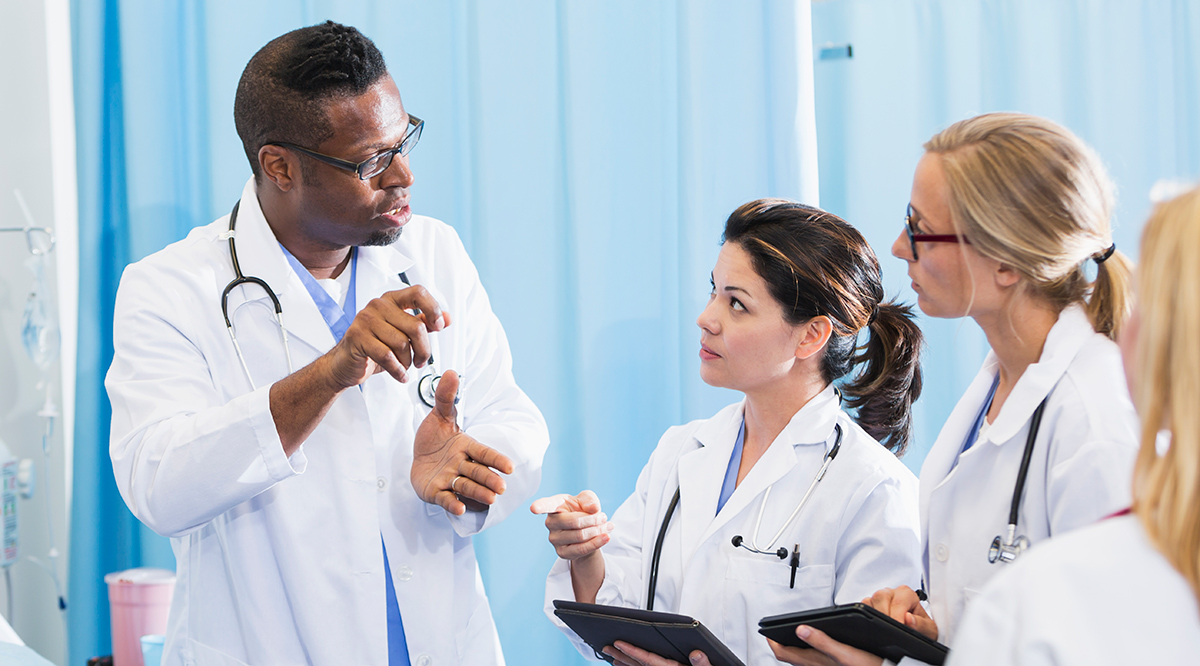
139,600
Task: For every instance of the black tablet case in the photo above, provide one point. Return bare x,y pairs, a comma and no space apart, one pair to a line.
665,634
860,626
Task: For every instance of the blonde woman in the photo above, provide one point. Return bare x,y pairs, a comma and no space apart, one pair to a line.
1124,591
1008,214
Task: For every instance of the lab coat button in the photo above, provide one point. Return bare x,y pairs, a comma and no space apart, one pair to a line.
404,573
380,483
943,553
423,660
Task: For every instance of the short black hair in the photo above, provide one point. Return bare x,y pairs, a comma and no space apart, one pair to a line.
281,94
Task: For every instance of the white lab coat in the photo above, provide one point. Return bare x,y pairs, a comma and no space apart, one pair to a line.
1079,473
858,532
1100,595
279,559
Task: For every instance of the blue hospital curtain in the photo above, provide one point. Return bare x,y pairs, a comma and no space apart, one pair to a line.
1124,76
587,153
114,229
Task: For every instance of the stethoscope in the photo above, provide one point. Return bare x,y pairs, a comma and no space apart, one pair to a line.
428,383
1011,546
738,541
426,386
240,279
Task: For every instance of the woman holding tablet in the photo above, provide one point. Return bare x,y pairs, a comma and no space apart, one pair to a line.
781,501
1008,214
1126,590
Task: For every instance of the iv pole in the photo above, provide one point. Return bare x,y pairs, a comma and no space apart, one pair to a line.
40,242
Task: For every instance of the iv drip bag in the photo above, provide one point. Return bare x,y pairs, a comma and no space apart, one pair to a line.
39,325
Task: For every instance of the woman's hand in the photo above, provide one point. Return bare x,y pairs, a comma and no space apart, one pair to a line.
577,527
899,603
825,651
902,605
577,530
625,654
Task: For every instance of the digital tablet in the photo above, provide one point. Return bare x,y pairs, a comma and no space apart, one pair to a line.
860,626
665,634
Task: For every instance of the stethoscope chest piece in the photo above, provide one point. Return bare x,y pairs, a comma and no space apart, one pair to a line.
1007,551
427,389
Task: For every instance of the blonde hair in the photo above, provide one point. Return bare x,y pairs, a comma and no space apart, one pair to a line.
1166,488
1030,194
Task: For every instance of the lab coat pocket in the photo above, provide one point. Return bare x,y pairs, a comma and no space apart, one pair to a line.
475,643
769,580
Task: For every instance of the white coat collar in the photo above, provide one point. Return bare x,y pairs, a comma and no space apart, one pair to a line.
1066,338
379,271
702,470
260,255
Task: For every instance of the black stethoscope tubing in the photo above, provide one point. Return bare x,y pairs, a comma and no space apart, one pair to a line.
1011,546
662,531
658,546
240,279
1034,424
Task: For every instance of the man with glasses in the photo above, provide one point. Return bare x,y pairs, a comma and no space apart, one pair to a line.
276,411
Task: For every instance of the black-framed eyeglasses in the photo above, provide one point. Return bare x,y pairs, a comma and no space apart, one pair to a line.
373,165
910,221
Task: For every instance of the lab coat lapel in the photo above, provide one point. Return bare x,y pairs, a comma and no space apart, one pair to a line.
1066,338
945,450
940,460
379,271
260,255
812,425
775,463
701,473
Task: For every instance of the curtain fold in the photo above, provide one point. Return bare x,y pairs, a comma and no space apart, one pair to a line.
1121,75
105,536
587,153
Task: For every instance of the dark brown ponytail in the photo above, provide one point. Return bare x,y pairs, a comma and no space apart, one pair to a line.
890,381
816,264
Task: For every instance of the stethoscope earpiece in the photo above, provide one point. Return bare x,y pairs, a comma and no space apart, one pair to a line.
739,542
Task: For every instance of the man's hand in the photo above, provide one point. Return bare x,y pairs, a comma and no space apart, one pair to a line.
625,654
449,467
386,336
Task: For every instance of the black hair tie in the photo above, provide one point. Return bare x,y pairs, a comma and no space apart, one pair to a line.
874,315
1101,258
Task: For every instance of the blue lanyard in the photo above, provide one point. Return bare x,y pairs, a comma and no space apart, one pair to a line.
338,318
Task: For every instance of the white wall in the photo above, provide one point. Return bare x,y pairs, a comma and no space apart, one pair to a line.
38,158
